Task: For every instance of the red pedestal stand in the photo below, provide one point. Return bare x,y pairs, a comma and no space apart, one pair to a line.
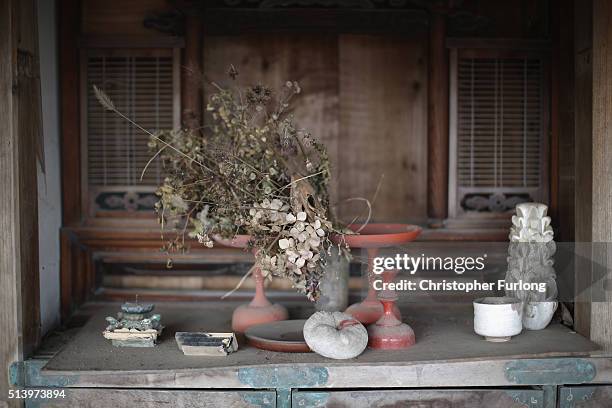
389,333
373,237
370,309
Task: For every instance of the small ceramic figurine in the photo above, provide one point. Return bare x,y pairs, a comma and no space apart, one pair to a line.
530,260
135,326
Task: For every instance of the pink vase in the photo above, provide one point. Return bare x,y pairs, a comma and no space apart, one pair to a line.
260,309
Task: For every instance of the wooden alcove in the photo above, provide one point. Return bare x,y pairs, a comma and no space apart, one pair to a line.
449,363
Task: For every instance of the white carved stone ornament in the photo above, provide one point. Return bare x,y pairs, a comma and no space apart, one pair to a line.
530,260
531,224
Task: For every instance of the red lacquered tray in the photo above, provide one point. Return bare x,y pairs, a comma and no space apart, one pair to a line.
378,235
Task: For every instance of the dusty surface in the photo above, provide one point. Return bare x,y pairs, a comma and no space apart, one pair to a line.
442,333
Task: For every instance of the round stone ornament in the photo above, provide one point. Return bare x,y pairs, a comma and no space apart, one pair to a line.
335,335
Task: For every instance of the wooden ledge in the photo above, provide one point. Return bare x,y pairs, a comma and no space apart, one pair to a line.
447,354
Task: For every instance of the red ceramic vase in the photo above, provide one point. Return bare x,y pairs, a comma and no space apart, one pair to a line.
260,309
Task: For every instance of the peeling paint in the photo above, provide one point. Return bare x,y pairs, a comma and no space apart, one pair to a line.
283,377
283,398
527,398
310,399
33,377
16,374
260,399
570,396
552,371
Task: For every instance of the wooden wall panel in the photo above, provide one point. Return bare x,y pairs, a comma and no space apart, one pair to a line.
100,17
383,125
563,119
20,126
583,128
364,96
311,60
601,311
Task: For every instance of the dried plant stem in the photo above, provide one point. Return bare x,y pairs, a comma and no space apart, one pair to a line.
144,169
244,278
107,103
300,179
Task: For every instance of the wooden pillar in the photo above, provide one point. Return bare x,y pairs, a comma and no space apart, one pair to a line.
19,136
583,202
601,312
437,168
69,30
191,74
562,188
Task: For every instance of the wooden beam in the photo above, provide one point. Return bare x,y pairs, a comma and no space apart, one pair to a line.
437,147
313,20
20,130
191,75
601,311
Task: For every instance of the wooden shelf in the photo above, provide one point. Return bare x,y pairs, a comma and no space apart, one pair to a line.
447,354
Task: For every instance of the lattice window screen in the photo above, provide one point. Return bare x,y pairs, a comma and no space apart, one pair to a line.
499,122
499,127
141,87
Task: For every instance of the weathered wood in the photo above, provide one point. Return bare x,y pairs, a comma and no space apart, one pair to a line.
311,60
131,41
437,104
10,350
421,398
441,374
601,311
313,20
66,271
104,398
383,127
583,202
69,99
447,352
586,396
99,17
562,122
191,82
19,127
28,121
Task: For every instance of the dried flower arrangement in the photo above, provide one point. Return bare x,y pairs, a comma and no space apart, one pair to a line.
251,171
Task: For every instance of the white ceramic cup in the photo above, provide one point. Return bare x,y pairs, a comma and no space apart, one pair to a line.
497,319
537,315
